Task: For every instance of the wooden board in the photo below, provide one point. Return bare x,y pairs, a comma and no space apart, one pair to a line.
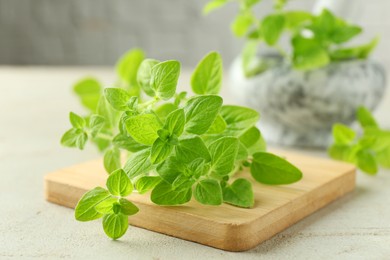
225,227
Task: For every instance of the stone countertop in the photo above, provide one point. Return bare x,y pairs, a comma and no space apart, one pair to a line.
34,107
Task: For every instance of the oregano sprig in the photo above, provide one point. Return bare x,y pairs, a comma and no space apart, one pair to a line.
179,146
368,149
316,40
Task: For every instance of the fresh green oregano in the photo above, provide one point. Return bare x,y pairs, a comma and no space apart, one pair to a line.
177,146
367,150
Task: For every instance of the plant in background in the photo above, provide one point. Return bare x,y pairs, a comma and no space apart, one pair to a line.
177,147
316,40
366,151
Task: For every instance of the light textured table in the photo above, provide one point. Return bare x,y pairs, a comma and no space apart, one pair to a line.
34,106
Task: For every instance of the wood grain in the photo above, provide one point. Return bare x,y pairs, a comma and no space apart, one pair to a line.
225,227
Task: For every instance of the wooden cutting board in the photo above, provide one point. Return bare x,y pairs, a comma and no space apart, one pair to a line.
225,227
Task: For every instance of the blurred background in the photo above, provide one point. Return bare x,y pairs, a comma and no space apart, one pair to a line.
97,32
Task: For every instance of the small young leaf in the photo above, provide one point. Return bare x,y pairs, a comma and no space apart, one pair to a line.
147,183
117,98
127,207
212,5
76,120
85,209
223,154
128,65
345,33
272,27
89,92
192,148
164,194
175,122
207,77
343,134
74,138
238,119
112,160
239,193
268,168
200,112
143,128
358,52
119,184
138,163
365,118
115,225
160,151
96,123
105,110
145,74
208,192
164,78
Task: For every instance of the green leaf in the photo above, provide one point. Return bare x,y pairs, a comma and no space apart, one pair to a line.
128,143
147,183
259,146
160,151
358,52
383,157
223,154
117,98
268,168
249,3
272,27
164,78
106,206
192,148
365,118
296,18
127,207
207,76
343,134
308,54
96,124
239,119
144,75
175,122
89,92
366,162
218,126
76,120
200,112
115,225
164,194
208,192
105,110
242,23
112,160
250,137
164,110
85,208
345,33
74,138
170,169
143,128
128,65
213,5
138,163
119,184
239,193
242,153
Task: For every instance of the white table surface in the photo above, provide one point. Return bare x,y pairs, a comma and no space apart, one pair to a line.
34,106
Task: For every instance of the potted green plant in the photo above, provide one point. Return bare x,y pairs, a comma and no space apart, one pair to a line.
175,146
302,90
